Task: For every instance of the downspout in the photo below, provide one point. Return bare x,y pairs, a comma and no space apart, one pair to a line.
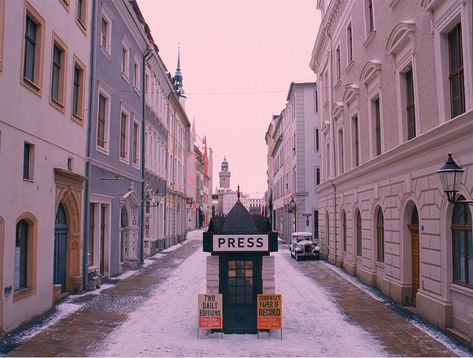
147,55
88,146
332,154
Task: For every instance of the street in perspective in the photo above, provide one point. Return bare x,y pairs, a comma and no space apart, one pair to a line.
153,313
236,178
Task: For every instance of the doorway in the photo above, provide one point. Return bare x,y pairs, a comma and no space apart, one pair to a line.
60,248
240,282
415,253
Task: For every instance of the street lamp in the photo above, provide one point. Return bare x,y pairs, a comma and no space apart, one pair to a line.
450,177
292,204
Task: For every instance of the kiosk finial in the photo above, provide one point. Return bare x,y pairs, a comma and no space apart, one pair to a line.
238,192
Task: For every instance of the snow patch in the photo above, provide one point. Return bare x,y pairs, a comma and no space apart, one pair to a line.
166,323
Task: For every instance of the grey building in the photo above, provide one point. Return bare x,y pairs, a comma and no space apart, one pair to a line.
114,211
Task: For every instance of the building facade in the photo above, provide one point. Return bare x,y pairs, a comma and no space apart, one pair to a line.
44,66
115,167
178,148
156,151
293,162
397,96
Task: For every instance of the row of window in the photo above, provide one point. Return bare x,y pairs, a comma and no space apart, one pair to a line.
32,71
462,239
407,77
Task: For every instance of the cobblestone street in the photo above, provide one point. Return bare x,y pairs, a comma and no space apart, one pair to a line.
397,331
81,332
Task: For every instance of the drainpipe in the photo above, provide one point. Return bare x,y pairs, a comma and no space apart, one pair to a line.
147,55
88,146
332,153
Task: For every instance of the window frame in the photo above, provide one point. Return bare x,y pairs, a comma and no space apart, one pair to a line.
80,115
126,158
355,136
31,259
28,168
464,228
136,161
444,19
107,18
359,233
137,75
81,21
458,71
344,231
379,236
349,35
34,85
60,102
125,61
102,91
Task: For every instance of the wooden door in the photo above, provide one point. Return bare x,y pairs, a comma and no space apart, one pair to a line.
415,261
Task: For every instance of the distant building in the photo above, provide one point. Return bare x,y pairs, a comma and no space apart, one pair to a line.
227,197
293,162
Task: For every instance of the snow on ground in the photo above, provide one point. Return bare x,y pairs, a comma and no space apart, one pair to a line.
166,324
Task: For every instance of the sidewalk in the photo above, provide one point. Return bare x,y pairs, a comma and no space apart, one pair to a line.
82,331
396,329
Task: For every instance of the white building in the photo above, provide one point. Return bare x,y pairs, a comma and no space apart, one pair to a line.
156,151
293,159
44,64
396,96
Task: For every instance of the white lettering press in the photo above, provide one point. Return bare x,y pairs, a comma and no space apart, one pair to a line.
253,242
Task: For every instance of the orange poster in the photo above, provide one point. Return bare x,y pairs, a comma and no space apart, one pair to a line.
210,311
269,311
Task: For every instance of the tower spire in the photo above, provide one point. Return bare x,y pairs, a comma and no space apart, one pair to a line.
178,75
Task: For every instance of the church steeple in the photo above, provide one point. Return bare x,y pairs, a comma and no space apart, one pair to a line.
178,76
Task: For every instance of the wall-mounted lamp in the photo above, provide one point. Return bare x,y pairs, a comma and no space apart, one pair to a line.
450,176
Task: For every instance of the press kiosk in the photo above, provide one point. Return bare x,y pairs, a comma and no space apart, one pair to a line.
240,266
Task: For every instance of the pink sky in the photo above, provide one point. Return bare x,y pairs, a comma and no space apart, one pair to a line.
238,58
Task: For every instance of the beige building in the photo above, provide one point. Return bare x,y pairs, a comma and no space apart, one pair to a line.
44,66
395,97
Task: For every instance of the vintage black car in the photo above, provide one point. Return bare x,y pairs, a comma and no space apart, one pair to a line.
303,246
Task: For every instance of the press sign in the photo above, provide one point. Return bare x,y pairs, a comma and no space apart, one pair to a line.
249,242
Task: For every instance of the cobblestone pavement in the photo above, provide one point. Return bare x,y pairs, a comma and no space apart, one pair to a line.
395,327
82,331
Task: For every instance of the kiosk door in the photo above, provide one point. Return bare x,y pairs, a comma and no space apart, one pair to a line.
241,282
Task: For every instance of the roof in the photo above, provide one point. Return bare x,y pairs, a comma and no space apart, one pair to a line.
301,233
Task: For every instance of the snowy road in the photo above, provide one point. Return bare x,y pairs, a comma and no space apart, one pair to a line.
165,325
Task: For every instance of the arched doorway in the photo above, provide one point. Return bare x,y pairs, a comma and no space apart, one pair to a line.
415,253
60,248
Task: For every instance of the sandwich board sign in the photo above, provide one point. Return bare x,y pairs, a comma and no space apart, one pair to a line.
269,312
210,312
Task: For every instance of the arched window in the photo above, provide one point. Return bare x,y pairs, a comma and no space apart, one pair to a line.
359,238
21,255
344,231
462,246
380,236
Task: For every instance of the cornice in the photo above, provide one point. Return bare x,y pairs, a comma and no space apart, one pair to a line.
370,70
449,132
351,93
337,109
401,34
326,28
